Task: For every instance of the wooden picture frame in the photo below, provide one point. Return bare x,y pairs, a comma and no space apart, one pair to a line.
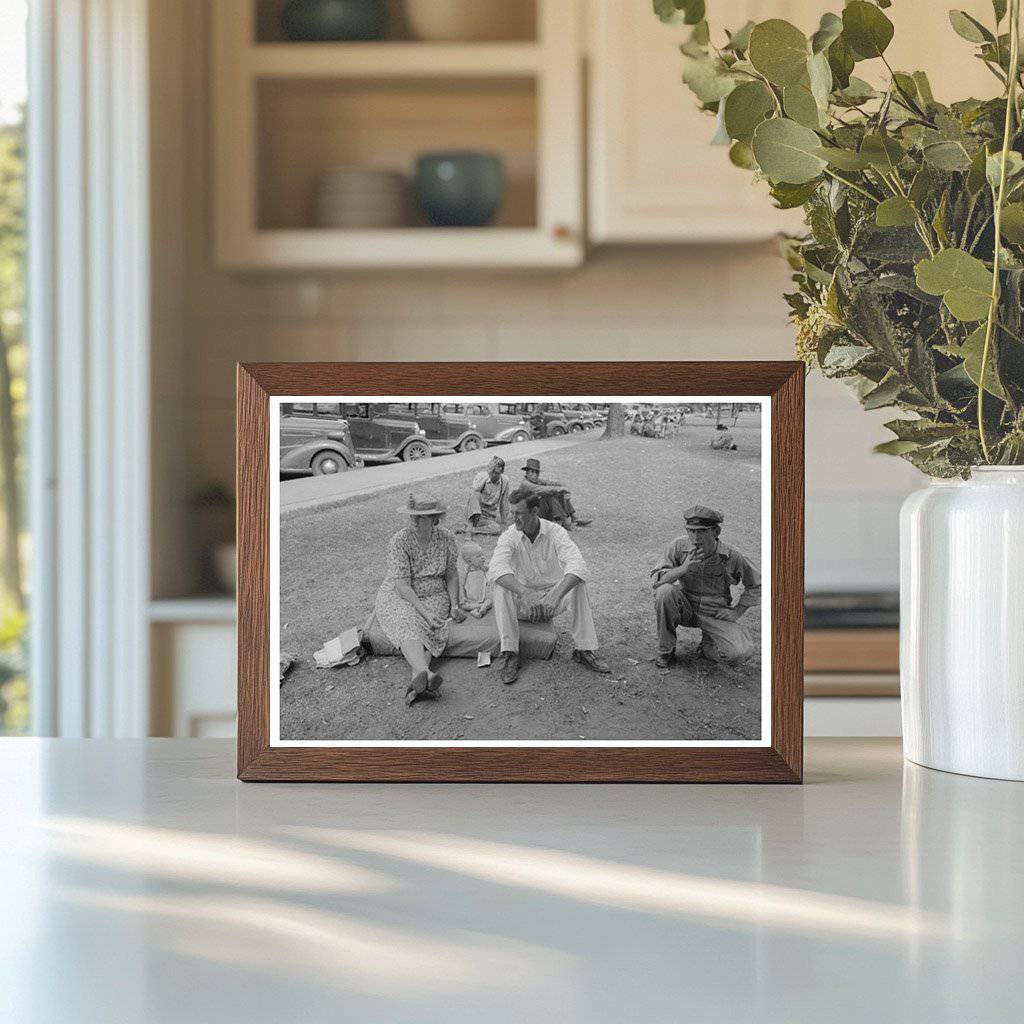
779,760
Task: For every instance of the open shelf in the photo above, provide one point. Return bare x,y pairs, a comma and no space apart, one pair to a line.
287,114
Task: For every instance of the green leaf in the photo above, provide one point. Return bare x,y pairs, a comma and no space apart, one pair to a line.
819,75
829,30
690,12
857,91
844,159
922,185
741,155
883,152
976,173
788,196
739,41
707,78
840,61
924,88
969,28
1012,223
971,352
786,151
963,281
993,166
866,29
701,34
895,447
779,51
801,106
745,108
885,394
923,431
947,156
999,9
895,212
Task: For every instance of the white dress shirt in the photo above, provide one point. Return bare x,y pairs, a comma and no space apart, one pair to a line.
539,564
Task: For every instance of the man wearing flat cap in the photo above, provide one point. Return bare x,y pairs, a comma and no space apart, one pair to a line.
538,571
692,588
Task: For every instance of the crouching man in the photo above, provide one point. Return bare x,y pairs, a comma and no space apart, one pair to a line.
539,572
692,588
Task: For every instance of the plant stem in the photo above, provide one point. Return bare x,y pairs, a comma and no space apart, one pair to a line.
853,185
1011,108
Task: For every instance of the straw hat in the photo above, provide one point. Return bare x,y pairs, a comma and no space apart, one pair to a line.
424,505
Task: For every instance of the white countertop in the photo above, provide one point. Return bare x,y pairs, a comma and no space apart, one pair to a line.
140,882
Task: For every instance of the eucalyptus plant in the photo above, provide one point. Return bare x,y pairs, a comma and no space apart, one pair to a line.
910,277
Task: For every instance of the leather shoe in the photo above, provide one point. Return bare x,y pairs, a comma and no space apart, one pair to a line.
510,668
664,659
592,661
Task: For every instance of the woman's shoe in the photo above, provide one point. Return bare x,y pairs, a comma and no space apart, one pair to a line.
417,687
434,681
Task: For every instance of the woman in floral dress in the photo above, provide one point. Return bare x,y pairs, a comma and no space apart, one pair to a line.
420,592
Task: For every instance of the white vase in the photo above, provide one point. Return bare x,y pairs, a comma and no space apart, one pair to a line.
962,624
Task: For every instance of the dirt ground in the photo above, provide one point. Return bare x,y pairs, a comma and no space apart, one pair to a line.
636,489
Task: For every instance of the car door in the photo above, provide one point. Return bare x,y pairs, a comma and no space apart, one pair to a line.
486,419
298,426
367,438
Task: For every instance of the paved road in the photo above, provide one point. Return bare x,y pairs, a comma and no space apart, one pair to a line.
313,491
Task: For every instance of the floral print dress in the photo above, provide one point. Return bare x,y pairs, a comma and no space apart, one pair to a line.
424,568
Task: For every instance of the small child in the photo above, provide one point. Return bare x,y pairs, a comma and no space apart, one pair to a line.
474,589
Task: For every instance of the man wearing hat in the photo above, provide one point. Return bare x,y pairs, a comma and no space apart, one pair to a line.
554,498
488,500
692,588
539,572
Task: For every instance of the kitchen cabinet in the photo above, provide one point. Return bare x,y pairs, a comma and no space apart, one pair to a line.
654,177
288,114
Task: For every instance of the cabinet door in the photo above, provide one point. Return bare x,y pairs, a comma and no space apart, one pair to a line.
653,174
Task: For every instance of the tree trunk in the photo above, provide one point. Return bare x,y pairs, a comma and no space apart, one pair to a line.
616,423
10,491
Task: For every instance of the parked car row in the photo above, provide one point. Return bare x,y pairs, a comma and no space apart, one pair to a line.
332,437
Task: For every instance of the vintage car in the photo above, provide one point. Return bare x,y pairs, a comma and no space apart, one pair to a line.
500,422
385,433
446,426
546,419
579,416
315,439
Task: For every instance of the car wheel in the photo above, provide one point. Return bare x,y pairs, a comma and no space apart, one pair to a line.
328,463
470,444
519,436
576,428
556,431
416,450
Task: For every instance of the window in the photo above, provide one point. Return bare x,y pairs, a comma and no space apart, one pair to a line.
302,408
455,410
329,410
358,412
478,410
14,682
510,410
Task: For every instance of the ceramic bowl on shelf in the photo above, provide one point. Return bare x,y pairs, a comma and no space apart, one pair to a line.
460,189
334,21
362,197
470,20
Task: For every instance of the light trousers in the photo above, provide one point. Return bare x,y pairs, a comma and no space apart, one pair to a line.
509,608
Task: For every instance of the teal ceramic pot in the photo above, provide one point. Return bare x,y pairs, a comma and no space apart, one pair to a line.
334,21
460,189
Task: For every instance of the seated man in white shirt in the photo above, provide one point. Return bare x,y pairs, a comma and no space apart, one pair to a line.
539,572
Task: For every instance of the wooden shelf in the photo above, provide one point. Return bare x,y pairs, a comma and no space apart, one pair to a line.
393,60
284,114
856,651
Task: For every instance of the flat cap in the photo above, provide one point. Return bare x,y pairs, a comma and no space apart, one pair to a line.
701,515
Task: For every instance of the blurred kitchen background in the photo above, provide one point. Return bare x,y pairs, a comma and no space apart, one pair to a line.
288,222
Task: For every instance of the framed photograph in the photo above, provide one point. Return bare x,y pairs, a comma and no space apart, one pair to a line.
520,571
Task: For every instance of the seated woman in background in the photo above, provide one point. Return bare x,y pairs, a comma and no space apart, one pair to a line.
420,592
475,596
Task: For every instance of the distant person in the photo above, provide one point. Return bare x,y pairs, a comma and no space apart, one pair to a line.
723,440
538,571
487,509
555,503
692,588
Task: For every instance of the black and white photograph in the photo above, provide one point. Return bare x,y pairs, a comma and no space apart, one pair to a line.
519,570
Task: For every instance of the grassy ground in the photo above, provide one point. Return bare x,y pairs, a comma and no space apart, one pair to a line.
636,489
